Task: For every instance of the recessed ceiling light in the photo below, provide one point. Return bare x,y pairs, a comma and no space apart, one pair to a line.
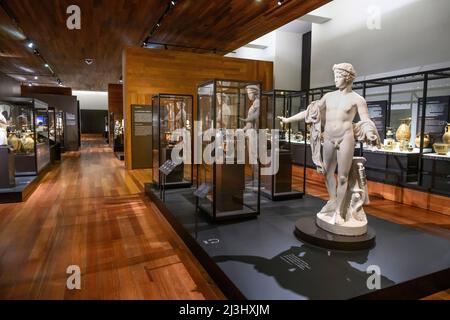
29,84
173,2
30,45
35,77
46,65
89,61
280,2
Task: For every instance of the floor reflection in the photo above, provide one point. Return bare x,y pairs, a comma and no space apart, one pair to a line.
313,272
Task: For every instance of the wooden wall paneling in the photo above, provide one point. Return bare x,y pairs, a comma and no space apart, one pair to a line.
28,91
115,99
150,71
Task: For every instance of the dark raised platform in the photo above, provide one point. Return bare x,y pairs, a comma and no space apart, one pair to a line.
262,259
25,186
306,229
282,196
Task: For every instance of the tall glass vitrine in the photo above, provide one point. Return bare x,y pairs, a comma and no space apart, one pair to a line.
289,181
28,134
171,114
228,111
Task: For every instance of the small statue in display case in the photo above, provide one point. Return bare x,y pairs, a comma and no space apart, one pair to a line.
223,110
253,112
343,214
3,133
181,116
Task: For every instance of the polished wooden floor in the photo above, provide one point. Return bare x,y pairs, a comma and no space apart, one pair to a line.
89,211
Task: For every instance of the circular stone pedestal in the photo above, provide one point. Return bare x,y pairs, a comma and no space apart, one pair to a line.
307,230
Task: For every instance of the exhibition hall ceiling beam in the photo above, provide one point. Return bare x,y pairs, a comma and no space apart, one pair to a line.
108,26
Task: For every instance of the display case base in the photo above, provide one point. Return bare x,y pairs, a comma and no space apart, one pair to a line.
261,259
306,229
120,155
282,196
25,186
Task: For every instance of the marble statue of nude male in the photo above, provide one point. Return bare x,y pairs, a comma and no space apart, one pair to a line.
336,111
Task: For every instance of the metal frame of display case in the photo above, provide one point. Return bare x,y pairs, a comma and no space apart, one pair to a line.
287,96
423,77
31,104
213,215
55,146
157,118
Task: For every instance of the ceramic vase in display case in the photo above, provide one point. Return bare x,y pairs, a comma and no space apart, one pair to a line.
426,140
28,144
446,136
14,142
389,141
441,148
404,130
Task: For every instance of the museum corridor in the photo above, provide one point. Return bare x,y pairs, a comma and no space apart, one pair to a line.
90,212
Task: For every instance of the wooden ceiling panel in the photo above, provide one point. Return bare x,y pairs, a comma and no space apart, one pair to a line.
108,26
228,24
16,60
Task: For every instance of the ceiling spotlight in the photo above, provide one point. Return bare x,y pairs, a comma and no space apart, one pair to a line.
30,84
46,65
30,45
158,24
173,2
280,2
36,52
89,61
35,77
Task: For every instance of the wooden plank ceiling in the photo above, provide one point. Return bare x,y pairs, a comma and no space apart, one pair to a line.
107,26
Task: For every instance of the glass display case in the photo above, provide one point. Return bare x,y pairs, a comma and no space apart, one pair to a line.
52,125
231,180
288,182
59,127
118,136
170,113
28,134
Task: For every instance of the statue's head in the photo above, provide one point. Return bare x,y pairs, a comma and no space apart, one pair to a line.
344,74
252,91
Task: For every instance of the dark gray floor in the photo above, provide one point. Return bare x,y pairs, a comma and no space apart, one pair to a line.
265,260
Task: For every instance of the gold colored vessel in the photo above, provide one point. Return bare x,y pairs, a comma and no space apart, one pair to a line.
446,136
404,130
441,148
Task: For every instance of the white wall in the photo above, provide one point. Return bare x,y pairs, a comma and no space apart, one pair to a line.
92,100
284,49
413,33
288,60
267,54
